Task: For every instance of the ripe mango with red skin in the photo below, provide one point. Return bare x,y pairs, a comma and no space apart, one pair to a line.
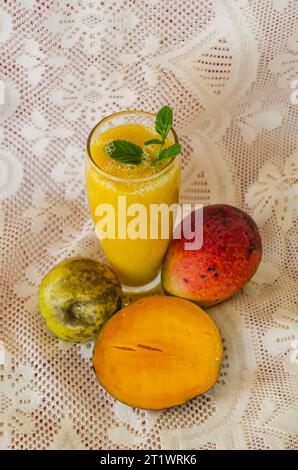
229,257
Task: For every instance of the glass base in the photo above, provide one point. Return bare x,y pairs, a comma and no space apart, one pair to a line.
146,289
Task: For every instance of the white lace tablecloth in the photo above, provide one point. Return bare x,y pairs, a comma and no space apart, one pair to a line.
229,69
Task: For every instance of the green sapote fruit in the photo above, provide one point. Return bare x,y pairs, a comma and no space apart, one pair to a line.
77,296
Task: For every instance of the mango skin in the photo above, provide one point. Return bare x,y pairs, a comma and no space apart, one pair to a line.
77,296
229,257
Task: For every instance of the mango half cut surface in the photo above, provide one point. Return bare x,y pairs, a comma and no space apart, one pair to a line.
158,352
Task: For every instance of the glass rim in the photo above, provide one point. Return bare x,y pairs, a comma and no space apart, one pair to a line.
117,178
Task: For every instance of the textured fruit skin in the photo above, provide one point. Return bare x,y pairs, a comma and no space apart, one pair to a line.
158,352
230,255
77,296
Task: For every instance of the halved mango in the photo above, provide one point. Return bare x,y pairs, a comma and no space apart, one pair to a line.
158,352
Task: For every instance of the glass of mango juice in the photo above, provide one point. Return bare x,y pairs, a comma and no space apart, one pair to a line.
121,197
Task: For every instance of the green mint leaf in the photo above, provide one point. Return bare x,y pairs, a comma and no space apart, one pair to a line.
164,121
153,141
169,152
124,151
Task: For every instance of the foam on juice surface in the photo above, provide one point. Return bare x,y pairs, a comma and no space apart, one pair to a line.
138,134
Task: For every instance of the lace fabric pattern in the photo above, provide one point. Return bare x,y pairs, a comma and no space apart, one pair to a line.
230,72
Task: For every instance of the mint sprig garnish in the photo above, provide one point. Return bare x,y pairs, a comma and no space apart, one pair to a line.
169,152
127,152
152,141
124,151
163,123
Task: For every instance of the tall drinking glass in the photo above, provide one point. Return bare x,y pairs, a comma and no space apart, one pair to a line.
136,259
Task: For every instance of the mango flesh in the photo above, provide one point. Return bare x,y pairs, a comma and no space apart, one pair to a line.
158,352
77,296
230,255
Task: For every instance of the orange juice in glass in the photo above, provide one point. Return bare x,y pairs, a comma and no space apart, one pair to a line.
109,182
